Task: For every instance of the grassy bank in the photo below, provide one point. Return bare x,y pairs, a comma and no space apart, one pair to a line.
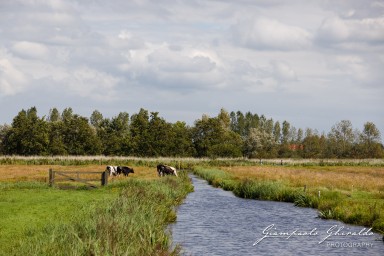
127,217
353,195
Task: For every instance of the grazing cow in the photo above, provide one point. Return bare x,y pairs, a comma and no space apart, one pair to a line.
117,170
126,170
166,170
112,170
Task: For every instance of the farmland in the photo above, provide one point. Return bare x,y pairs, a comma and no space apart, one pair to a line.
52,220
40,220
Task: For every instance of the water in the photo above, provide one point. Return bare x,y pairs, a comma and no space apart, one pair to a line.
215,222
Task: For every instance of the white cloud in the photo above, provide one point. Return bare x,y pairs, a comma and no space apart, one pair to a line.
337,30
31,50
12,80
169,61
264,33
87,82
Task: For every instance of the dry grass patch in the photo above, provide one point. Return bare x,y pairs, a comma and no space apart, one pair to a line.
13,173
346,178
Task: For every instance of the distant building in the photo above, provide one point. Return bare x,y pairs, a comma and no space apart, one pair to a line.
295,147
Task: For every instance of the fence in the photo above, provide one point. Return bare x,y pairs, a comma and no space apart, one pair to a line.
75,176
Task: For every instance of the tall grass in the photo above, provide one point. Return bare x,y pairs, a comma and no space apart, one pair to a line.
133,223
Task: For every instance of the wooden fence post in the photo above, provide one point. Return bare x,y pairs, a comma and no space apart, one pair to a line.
104,178
51,177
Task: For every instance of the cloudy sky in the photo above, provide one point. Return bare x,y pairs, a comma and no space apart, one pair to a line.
312,63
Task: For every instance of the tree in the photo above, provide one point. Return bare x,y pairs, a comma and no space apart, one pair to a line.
284,148
96,119
211,138
181,144
312,147
4,129
78,136
238,122
56,139
299,137
285,132
29,134
370,141
54,115
139,130
67,114
260,144
113,133
277,132
159,136
224,119
341,139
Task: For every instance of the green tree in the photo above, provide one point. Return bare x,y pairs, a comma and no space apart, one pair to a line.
371,141
224,119
277,132
260,144
284,148
56,138
181,144
78,136
299,138
341,139
96,118
54,115
140,133
211,138
285,132
4,129
29,134
159,136
112,133
312,146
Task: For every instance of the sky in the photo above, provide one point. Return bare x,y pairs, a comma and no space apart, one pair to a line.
312,63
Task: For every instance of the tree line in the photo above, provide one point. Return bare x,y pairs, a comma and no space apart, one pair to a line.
146,134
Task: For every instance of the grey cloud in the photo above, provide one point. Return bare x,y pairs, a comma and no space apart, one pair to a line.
355,9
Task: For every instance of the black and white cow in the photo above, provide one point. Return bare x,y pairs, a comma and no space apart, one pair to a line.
117,170
112,170
166,170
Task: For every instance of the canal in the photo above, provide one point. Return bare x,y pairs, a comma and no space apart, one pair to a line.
212,221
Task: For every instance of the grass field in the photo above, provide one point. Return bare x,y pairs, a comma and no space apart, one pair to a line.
130,215
127,217
353,194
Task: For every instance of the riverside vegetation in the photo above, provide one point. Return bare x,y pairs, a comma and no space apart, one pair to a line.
130,215
127,217
351,194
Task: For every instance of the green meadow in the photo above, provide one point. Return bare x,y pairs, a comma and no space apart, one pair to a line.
127,217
